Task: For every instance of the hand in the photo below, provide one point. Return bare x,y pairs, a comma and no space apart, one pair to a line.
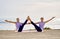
6,20
29,23
53,17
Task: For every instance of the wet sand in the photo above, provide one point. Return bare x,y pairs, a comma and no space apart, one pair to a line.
47,34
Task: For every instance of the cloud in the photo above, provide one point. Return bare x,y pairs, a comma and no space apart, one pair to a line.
19,8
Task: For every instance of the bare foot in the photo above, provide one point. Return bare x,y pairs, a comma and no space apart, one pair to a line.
29,18
16,31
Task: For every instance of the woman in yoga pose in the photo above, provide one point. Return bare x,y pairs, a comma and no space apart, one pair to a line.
41,24
19,25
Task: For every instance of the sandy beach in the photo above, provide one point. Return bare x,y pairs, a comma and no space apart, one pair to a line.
47,34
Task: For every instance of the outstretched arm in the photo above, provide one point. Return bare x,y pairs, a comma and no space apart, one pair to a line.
10,21
49,19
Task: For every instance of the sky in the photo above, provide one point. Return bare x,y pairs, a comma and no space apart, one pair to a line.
33,8
23,8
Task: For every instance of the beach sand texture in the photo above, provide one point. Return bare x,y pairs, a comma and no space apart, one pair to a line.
47,34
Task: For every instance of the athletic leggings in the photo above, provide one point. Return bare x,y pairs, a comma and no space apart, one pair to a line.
21,27
37,27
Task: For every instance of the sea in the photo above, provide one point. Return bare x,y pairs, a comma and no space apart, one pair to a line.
9,26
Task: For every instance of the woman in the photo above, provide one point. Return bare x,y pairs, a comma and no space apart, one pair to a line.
19,25
41,24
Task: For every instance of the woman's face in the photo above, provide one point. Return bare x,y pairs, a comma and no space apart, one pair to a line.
42,19
17,19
